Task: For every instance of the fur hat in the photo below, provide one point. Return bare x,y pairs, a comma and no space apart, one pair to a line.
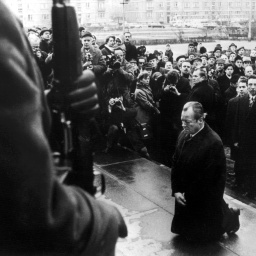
45,30
86,34
151,57
181,56
217,49
233,45
238,49
238,58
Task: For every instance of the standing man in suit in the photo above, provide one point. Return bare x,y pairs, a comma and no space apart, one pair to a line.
245,139
203,93
231,113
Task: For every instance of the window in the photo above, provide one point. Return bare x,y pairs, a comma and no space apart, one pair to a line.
186,5
19,7
45,16
101,5
30,17
149,14
101,14
43,6
88,16
161,4
149,5
175,4
196,4
87,5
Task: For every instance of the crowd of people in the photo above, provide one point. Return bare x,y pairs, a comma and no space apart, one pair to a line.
142,94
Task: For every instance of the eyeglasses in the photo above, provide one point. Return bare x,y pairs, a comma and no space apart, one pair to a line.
141,62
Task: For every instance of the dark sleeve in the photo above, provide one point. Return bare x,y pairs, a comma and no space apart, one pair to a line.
142,100
101,66
184,92
176,172
38,213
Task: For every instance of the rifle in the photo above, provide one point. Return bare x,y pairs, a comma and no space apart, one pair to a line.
75,156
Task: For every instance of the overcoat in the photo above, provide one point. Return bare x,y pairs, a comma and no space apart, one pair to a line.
199,171
245,135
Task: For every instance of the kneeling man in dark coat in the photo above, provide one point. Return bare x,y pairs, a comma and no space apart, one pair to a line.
198,181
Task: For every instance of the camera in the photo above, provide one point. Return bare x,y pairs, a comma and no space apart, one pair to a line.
116,101
113,62
87,57
141,50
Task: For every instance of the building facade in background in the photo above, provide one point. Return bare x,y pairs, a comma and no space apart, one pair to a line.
102,12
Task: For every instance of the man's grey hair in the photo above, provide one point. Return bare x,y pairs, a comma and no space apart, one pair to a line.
197,109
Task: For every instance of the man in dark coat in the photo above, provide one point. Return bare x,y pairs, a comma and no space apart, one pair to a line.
45,43
92,57
174,94
203,93
198,181
230,117
131,51
238,67
39,215
245,139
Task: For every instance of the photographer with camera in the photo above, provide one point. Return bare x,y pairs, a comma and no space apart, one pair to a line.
92,57
122,123
175,89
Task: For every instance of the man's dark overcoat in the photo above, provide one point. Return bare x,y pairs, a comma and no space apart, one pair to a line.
245,135
204,93
199,171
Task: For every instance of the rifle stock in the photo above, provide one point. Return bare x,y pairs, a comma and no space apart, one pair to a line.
76,148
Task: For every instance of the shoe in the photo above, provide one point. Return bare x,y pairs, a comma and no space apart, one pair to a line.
235,225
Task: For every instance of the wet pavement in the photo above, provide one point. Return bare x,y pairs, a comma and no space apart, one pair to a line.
141,190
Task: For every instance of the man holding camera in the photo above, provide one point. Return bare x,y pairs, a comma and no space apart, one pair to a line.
92,57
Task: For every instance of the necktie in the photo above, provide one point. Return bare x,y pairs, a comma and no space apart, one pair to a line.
252,100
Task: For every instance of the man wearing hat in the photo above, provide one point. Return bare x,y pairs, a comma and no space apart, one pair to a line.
219,70
191,55
196,63
247,61
233,47
91,56
238,67
169,53
217,52
179,61
211,62
204,59
81,31
152,59
240,51
232,57
45,43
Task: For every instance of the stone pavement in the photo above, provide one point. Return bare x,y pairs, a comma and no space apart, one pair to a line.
141,190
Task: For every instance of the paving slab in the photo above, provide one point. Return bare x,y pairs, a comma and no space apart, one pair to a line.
149,227
141,190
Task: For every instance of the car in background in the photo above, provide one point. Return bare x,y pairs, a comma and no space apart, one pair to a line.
156,25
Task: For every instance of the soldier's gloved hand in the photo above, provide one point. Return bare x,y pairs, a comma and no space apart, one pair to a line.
84,99
109,226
